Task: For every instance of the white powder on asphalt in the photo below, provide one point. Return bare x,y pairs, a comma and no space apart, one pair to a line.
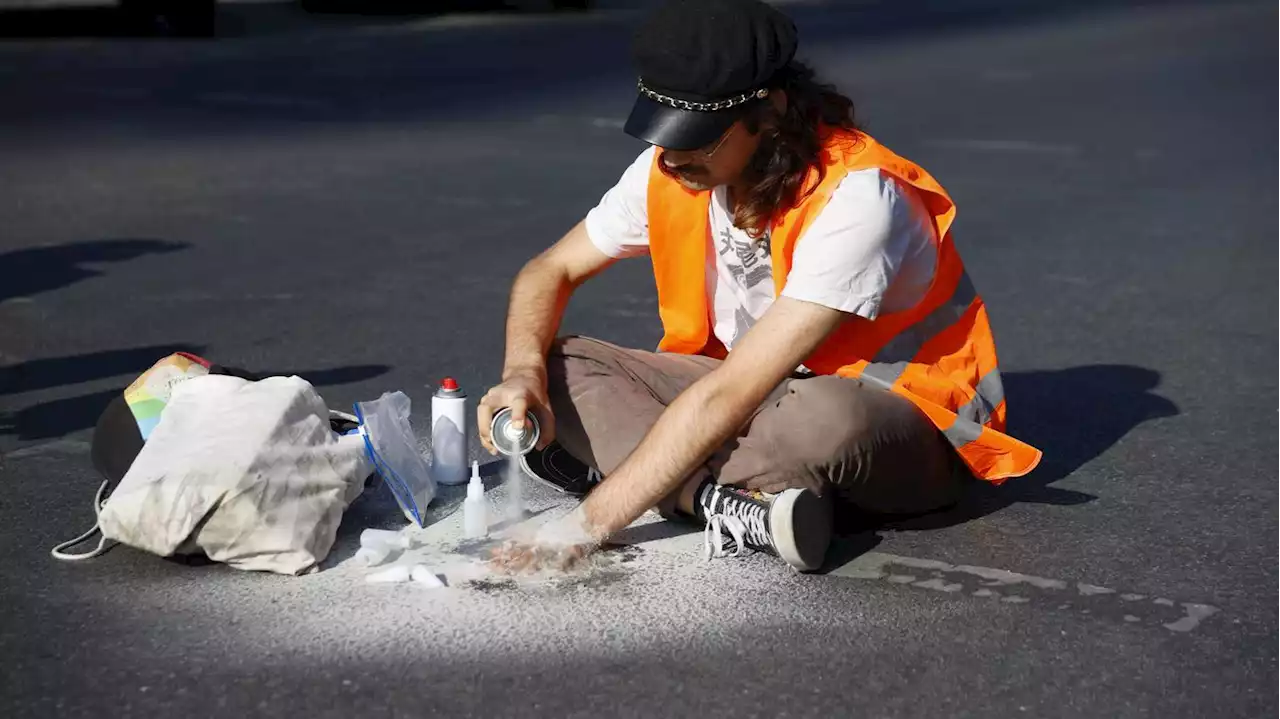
651,590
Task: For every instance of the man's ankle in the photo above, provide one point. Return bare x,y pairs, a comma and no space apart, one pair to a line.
690,498
683,503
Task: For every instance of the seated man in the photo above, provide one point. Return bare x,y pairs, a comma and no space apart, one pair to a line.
821,334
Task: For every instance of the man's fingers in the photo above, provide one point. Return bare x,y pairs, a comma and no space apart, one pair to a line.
565,561
484,419
514,558
519,406
500,559
521,560
547,432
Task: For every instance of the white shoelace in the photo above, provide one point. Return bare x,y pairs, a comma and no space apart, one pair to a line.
744,521
59,552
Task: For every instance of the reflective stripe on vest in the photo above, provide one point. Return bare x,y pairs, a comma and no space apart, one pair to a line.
892,359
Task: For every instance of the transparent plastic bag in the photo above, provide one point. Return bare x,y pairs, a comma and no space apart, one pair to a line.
393,447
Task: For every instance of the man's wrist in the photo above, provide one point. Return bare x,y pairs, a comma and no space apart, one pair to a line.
531,369
571,530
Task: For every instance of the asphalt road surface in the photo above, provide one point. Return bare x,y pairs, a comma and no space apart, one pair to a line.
347,198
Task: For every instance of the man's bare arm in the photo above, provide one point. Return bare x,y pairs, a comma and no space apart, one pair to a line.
539,296
707,414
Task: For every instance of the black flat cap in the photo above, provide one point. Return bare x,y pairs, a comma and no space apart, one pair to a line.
702,63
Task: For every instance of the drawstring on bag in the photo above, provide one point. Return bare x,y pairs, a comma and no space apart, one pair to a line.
59,552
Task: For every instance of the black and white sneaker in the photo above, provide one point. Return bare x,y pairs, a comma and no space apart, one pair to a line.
555,467
795,525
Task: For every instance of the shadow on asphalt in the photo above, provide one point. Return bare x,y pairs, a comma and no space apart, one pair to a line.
51,419
56,418
107,20
654,531
51,372
848,546
49,22
32,270
1073,416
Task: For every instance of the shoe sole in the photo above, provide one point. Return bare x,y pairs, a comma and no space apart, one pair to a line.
574,490
801,524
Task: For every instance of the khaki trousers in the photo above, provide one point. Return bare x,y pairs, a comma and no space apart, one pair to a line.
866,445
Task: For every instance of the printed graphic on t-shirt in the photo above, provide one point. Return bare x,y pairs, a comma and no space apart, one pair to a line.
747,261
742,321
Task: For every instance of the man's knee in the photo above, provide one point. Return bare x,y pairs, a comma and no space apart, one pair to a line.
569,350
565,352
876,446
823,419
570,346
573,360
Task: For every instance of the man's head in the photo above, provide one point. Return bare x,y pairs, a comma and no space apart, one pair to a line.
727,160
723,97
705,65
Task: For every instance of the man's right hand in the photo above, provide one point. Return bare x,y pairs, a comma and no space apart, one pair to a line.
522,392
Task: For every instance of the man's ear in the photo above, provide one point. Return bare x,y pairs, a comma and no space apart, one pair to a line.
769,120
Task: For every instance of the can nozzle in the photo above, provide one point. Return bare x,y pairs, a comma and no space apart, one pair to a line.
510,440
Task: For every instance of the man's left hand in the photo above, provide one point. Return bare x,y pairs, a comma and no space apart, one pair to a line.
517,557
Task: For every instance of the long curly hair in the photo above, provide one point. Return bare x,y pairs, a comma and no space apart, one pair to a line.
790,146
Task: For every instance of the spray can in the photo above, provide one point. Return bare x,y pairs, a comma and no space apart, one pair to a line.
448,433
511,441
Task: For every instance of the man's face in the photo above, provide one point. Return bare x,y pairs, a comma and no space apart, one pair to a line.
720,163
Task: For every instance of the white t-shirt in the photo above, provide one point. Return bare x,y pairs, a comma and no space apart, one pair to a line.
869,251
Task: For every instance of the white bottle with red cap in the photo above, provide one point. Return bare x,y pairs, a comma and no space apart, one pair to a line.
449,433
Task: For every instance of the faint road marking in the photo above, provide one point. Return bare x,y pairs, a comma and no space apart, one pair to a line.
1015,588
1024,146
56,447
246,100
607,123
221,297
117,93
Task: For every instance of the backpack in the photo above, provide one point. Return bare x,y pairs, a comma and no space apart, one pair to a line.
251,471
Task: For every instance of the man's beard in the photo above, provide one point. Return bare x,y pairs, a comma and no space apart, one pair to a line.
693,184
698,180
690,176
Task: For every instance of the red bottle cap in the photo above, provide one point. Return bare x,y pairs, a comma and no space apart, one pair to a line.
449,383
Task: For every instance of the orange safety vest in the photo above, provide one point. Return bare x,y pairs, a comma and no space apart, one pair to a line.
940,354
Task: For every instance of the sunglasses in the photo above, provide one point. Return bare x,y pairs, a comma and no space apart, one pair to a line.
708,154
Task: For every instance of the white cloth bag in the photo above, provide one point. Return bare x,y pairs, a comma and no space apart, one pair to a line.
249,473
